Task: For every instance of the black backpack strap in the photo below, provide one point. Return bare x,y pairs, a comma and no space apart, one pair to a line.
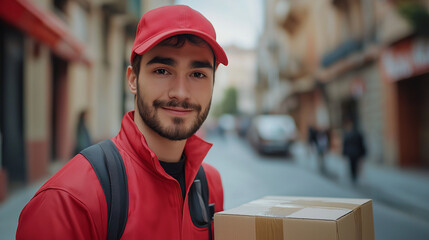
209,208
109,167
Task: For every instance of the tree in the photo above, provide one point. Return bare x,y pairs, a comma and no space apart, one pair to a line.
228,105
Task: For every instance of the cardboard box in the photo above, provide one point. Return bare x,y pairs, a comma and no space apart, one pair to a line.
297,218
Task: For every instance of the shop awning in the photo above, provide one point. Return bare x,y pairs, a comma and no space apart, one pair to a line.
405,59
43,26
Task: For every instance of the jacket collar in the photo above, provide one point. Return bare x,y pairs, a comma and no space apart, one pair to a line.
133,141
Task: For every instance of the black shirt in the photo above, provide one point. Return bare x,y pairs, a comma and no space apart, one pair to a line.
177,171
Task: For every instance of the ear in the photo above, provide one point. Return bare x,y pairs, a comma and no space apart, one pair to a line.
132,80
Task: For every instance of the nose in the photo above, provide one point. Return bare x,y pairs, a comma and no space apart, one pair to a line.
179,88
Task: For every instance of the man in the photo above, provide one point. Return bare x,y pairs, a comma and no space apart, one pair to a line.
173,61
353,148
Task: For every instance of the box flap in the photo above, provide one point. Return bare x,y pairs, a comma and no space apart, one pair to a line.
298,207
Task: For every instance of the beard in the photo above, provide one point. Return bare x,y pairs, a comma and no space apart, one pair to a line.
178,130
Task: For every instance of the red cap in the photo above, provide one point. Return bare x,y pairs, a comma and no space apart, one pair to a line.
164,22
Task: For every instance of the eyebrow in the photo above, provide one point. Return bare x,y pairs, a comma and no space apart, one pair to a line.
201,64
162,60
172,62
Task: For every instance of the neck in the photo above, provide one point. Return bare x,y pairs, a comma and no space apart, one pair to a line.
165,149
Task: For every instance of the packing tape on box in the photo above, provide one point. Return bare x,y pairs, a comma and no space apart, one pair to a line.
268,228
324,204
272,228
304,202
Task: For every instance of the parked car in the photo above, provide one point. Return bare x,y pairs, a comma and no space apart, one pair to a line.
272,133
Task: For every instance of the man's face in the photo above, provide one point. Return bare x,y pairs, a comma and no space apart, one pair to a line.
174,89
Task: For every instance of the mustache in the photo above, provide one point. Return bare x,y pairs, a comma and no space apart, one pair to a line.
176,103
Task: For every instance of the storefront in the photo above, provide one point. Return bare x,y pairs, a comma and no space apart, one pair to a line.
405,69
356,95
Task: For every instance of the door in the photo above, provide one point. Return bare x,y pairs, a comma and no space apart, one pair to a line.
11,104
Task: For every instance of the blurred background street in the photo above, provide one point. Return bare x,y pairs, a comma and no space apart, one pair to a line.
323,98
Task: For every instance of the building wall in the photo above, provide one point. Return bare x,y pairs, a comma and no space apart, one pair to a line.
390,25
62,103
370,111
373,113
37,111
116,76
129,97
151,4
97,73
80,22
390,103
306,113
79,100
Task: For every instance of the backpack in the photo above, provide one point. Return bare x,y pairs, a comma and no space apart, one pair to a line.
109,167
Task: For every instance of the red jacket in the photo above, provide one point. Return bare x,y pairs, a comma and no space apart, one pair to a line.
72,205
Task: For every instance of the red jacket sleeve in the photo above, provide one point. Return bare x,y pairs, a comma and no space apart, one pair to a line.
71,205
55,214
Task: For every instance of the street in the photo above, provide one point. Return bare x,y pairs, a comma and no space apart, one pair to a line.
248,176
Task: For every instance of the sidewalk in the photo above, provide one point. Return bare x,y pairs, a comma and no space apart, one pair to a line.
404,189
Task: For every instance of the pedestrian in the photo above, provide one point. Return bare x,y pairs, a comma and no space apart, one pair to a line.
318,139
322,149
83,138
173,63
353,148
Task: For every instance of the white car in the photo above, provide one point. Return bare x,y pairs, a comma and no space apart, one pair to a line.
272,133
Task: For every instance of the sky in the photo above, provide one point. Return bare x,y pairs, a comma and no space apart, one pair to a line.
237,22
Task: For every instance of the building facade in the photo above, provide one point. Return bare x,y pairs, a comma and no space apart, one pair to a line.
59,58
364,60
240,74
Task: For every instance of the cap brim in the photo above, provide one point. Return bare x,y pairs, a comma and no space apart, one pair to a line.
152,42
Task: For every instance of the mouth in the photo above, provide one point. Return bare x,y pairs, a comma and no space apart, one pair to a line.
177,111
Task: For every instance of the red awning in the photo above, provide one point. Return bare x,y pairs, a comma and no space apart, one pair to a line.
43,26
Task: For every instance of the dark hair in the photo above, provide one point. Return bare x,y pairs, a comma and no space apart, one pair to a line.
176,41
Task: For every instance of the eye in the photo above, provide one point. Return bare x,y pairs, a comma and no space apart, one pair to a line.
198,75
161,71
